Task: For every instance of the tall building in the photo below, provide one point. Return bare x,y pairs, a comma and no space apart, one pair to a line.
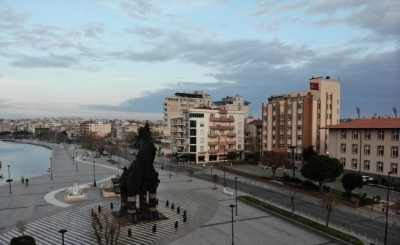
208,134
297,119
100,128
369,147
236,103
174,106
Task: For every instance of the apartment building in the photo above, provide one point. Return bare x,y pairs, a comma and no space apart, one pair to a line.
369,146
252,138
236,103
99,128
174,106
298,119
208,134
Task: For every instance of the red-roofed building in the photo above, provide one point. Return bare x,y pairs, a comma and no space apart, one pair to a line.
369,146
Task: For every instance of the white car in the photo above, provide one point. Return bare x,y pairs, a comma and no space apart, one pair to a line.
367,178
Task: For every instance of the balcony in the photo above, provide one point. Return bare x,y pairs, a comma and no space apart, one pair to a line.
213,143
212,135
223,111
223,119
219,127
212,151
231,134
232,142
231,150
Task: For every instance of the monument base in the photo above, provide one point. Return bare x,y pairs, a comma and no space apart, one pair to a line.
140,217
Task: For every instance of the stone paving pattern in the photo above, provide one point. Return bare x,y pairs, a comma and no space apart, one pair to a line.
209,214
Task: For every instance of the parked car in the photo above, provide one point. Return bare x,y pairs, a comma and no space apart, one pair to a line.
366,178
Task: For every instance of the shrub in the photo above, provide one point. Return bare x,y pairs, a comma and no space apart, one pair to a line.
309,185
383,181
26,240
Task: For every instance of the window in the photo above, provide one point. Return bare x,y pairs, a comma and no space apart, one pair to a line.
282,108
193,132
367,134
193,148
380,150
192,140
380,166
343,134
394,168
201,124
282,137
299,127
273,118
282,118
299,116
300,106
354,148
300,147
355,134
381,135
289,117
289,107
282,128
192,123
201,148
289,137
239,139
265,118
239,147
299,137
395,151
289,127
343,161
343,148
201,140
367,150
395,134
281,146
273,108
354,163
366,164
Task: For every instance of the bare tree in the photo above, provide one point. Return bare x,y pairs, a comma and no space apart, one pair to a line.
275,160
358,112
21,226
331,204
190,171
105,225
215,179
292,197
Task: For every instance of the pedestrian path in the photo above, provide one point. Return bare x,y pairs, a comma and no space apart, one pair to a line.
78,223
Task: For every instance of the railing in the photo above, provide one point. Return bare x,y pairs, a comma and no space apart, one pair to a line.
212,151
231,134
218,127
212,135
212,143
231,150
232,142
222,119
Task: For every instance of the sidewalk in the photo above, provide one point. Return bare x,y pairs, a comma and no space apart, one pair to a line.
209,214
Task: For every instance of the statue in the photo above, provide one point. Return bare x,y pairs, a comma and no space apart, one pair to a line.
140,179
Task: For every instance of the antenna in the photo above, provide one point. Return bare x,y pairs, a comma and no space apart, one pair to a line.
358,112
395,112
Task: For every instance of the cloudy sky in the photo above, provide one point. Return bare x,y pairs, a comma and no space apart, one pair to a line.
108,59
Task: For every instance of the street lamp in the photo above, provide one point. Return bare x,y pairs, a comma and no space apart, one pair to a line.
224,164
387,206
94,175
232,206
292,147
51,168
236,192
211,166
9,178
76,160
62,234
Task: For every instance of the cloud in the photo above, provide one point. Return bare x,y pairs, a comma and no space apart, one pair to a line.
9,82
9,15
141,9
60,61
92,30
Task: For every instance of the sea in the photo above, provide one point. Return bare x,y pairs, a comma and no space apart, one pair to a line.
24,159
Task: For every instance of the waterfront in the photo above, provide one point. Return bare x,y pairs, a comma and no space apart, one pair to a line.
24,160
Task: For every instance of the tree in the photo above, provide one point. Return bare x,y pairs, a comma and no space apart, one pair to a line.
107,226
331,204
113,149
190,172
322,168
231,156
308,153
215,179
275,160
21,226
350,181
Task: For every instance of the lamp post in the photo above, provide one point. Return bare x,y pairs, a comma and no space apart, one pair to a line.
170,164
9,178
94,175
76,160
387,206
224,164
236,193
51,168
73,154
232,206
211,166
62,234
292,147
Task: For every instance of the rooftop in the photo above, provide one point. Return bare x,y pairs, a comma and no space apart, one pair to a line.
377,123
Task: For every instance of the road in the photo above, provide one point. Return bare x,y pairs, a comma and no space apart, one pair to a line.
374,228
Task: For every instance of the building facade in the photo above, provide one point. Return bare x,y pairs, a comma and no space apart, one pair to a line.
368,147
100,128
252,138
208,134
297,119
174,106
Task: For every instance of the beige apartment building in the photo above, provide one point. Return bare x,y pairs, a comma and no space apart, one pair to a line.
100,128
252,138
208,134
298,119
369,146
174,106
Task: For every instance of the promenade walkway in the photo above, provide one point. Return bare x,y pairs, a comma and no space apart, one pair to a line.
43,207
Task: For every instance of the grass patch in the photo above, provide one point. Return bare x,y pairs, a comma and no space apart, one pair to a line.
332,232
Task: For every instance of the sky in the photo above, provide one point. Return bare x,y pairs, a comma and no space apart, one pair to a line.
120,59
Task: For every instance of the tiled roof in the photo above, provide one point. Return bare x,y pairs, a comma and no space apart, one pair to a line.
368,124
256,122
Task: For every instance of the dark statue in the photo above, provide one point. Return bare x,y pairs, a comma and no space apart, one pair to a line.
140,180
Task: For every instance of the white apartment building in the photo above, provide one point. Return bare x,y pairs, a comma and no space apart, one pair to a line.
208,134
99,128
174,106
236,103
368,147
297,119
